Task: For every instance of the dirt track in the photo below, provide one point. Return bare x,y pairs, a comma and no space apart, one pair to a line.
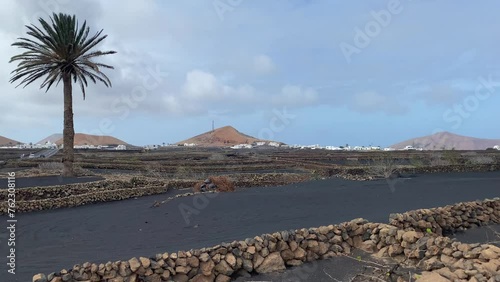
51,240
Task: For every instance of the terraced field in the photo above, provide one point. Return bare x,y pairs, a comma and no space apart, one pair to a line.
109,214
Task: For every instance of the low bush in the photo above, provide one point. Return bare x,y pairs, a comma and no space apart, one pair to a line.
384,166
222,184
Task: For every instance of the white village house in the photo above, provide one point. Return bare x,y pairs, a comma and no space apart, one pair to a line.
47,145
242,146
273,144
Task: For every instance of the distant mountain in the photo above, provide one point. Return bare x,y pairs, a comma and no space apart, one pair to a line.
52,139
448,140
96,140
4,141
221,137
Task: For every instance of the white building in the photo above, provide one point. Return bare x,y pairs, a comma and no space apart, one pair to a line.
333,148
497,147
153,147
274,144
86,146
121,147
242,146
26,146
50,145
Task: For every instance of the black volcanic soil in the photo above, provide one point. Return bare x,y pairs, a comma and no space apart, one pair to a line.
339,268
483,234
48,241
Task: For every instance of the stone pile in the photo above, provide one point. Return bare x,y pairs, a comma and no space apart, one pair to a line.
219,183
208,185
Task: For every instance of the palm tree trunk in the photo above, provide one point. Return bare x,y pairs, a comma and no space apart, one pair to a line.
68,131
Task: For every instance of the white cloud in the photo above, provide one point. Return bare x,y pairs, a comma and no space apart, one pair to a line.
202,92
373,102
292,95
202,85
263,64
369,101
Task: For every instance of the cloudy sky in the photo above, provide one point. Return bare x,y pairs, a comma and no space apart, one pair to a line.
298,71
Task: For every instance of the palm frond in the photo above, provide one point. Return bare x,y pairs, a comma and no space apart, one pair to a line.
58,47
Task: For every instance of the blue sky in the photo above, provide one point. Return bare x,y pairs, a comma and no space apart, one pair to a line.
302,72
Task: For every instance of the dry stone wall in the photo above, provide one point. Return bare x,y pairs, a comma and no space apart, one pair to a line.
73,195
404,240
361,173
449,219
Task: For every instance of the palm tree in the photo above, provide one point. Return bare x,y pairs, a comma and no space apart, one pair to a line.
59,51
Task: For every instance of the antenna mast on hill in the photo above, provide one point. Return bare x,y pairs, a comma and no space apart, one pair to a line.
213,129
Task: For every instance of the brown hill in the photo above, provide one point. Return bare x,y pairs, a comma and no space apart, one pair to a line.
96,140
447,140
52,138
4,141
221,137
